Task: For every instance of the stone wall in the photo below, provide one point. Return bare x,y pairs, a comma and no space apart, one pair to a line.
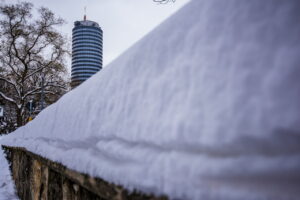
39,178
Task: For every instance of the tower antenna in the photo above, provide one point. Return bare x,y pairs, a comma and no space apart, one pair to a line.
84,18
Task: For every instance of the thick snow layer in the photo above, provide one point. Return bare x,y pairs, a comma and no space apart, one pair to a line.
206,106
7,190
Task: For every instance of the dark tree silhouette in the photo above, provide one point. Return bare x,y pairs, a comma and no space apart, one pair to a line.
32,56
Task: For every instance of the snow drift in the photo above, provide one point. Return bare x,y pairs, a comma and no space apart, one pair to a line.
206,106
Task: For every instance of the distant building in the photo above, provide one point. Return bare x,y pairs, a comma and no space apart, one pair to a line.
86,50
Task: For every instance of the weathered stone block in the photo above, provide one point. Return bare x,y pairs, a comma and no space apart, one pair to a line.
39,178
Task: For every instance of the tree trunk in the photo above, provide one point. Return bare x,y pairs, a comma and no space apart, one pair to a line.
19,117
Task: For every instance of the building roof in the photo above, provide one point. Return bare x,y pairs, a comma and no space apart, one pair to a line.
86,23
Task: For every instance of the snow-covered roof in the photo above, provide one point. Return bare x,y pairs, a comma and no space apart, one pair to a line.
206,106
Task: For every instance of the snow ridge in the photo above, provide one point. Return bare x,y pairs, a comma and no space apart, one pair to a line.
206,106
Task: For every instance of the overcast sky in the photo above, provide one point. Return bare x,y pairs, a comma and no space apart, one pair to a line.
123,21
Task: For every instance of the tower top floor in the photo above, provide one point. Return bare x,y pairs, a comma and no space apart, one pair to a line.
86,23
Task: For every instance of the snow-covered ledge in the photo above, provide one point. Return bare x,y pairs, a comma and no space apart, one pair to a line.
37,177
205,107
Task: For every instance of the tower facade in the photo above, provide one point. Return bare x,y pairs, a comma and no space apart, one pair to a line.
86,50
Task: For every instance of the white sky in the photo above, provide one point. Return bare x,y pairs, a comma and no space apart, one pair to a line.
123,21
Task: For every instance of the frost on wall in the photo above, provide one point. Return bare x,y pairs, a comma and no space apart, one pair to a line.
205,106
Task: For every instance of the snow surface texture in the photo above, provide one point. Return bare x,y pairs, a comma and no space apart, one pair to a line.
7,190
206,106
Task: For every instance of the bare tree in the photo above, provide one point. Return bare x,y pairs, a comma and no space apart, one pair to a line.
32,55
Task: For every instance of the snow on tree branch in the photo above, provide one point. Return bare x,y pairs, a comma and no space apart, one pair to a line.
32,55
8,98
12,84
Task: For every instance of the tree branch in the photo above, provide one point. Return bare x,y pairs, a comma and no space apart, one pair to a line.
11,83
7,98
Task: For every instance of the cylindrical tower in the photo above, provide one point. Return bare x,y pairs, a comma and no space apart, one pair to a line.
86,50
